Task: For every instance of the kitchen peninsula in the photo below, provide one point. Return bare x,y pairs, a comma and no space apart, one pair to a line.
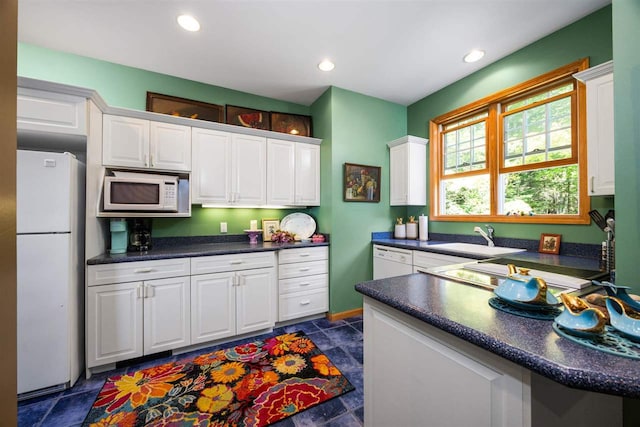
435,350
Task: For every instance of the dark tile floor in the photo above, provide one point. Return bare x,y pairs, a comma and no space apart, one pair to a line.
341,341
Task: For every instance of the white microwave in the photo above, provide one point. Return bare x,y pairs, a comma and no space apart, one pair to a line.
133,191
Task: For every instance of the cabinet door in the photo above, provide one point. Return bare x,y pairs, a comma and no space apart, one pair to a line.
249,166
398,171
213,307
307,175
255,300
114,323
211,175
125,142
166,314
51,112
600,136
281,177
169,146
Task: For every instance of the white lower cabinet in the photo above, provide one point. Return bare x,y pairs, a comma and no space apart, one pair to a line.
232,295
423,261
231,303
303,285
128,320
417,375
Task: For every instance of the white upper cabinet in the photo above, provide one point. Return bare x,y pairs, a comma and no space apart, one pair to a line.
600,130
228,169
293,173
408,171
43,111
138,143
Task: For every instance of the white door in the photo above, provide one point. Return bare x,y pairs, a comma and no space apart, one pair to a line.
125,141
307,175
249,160
281,182
114,323
169,146
211,175
167,315
256,300
213,307
43,192
43,278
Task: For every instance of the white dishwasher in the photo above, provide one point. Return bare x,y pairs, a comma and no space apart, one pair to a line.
389,262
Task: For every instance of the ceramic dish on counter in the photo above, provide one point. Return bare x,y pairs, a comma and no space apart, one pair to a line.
526,292
619,292
578,318
624,318
299,224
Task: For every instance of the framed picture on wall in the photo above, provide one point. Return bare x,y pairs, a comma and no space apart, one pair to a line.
361,183
182,107
293,124
549,243
247,117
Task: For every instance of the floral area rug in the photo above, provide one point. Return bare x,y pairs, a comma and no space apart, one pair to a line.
254,384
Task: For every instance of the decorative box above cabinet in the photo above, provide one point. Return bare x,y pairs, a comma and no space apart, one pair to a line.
44,111
408,171
293,173
138,143
600,131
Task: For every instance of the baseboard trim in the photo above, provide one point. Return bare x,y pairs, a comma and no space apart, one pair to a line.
332,317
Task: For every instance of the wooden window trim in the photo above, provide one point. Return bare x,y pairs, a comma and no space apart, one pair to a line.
491,104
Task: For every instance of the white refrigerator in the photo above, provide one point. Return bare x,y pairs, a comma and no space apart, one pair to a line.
50,271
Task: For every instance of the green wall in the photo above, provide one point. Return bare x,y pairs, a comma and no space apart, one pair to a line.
360,127
626,75
127,87
588,37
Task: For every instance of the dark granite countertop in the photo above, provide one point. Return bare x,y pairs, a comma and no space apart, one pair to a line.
183,248
463,310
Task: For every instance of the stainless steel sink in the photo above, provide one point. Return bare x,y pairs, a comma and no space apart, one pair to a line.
470,248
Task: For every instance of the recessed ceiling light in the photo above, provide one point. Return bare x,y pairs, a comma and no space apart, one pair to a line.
326,65
188,22
473,56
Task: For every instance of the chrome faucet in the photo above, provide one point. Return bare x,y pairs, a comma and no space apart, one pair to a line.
488,235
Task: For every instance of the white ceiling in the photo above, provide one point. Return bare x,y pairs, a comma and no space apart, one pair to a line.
396,50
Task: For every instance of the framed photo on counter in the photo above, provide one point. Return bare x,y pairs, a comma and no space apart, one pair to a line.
269,226
549,243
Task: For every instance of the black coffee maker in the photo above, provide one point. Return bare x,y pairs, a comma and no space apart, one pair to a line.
140,235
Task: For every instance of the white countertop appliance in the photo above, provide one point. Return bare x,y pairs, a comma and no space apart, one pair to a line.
390,262
50,271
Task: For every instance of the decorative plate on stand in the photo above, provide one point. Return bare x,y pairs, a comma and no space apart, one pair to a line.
300,224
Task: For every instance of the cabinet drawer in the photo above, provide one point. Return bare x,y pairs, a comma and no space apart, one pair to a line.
299,269
288,256
430,259
140,270
306,283
301,304
235,262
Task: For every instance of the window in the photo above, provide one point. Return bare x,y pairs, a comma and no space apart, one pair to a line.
515,156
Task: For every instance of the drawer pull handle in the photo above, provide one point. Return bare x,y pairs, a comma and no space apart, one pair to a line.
305,302
236,262
304,269
304,254
305,284
143,270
